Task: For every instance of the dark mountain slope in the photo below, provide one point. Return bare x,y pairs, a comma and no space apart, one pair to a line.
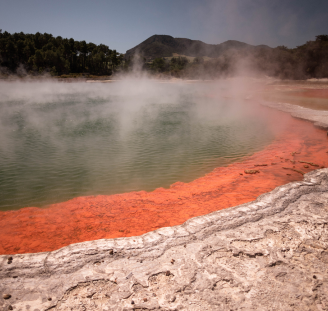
164,46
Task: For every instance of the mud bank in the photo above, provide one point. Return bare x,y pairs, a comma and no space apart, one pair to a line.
102,217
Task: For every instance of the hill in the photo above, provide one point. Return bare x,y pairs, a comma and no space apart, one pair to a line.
187,58
164,46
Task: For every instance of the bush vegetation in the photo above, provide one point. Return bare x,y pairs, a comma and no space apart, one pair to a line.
39,53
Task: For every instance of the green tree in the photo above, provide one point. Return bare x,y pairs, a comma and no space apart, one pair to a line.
159,65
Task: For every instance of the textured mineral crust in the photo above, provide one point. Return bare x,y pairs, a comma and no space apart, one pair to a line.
270,254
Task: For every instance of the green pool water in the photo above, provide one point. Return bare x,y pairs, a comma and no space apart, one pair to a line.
59,141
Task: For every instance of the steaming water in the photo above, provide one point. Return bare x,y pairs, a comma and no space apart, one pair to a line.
60,141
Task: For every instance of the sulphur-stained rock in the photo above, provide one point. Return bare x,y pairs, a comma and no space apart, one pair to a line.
270,254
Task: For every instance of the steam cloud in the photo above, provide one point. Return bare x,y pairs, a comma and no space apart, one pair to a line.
61,140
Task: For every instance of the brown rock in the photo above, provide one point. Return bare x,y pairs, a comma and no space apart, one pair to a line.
251,171
312,164
297,171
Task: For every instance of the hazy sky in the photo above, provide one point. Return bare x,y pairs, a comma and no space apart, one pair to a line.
122,24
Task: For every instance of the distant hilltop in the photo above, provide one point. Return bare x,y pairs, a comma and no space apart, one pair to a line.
165,46
194,59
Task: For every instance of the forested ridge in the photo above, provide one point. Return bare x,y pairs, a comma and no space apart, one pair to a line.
200,60
40,53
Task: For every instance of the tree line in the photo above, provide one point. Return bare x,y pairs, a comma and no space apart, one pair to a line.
39,53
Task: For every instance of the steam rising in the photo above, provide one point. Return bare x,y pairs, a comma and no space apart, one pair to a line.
59,141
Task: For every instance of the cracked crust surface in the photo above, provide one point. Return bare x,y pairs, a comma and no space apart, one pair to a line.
270,254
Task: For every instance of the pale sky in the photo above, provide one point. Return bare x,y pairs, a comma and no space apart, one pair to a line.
122,24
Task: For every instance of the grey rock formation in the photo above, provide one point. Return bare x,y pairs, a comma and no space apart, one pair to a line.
270,254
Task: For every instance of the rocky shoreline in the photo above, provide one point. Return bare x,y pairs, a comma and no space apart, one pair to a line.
269,254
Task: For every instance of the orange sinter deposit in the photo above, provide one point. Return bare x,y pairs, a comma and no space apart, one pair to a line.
99,217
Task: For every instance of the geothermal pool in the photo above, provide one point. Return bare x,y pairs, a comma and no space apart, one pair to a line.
60,141
211,135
